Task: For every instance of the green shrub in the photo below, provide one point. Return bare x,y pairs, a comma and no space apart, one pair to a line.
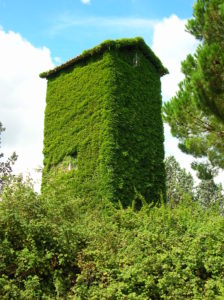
55,248
40,242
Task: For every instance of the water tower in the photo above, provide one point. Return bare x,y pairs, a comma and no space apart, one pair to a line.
103,132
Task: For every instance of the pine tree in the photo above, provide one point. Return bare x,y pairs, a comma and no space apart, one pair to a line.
196,113
207,191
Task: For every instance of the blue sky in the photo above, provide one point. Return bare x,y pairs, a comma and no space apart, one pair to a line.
67,27
37,35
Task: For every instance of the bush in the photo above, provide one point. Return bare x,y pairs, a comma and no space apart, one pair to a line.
40,243
55,248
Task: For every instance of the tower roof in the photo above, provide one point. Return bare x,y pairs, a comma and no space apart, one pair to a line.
132,43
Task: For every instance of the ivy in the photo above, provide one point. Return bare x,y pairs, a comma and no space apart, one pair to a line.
106,108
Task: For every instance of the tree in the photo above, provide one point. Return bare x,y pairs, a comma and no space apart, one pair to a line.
178,181
207,191
196,113
5,166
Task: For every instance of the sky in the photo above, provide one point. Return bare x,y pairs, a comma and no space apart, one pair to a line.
35,36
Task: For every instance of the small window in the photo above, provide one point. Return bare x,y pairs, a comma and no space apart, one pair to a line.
69,162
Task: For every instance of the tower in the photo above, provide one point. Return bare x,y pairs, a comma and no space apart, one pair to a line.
103,131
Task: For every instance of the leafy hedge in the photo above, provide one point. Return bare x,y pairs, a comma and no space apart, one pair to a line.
103,129
55,248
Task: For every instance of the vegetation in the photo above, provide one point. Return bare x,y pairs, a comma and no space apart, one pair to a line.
104,136
180,183
196,113
137,43
5,166
57,248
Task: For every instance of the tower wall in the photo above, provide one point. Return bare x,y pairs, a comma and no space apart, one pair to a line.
76,127
138,162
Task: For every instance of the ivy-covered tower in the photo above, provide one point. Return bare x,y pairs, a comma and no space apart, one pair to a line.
103,131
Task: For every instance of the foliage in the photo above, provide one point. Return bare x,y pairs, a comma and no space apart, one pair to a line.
56,248
204,170
208,192
109,129
178,181
180,184
40,242
196,113
5,166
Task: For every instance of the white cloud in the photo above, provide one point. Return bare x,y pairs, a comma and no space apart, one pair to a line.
172,44
85,1
22,98
171,148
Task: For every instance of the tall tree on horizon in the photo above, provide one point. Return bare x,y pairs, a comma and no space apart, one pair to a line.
196,113
178,181
5,166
